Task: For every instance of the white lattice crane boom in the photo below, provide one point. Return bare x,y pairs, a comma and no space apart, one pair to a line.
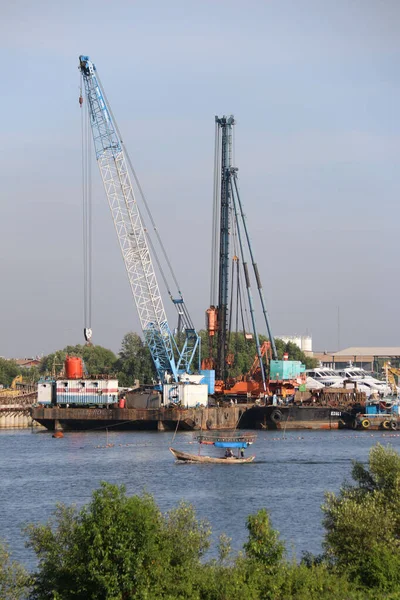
131,233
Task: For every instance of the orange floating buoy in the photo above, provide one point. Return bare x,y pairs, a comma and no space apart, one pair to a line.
58,434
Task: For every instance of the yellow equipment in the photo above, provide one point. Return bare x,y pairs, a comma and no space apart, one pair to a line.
12,390
17,379
390,376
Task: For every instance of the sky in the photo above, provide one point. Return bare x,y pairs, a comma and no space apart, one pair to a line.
314,87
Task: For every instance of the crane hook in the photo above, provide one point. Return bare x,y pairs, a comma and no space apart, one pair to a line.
80,100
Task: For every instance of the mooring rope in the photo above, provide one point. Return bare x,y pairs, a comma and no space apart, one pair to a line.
176,428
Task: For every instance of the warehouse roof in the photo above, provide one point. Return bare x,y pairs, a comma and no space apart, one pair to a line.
369,351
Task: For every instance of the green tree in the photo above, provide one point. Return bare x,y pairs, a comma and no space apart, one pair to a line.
134,361
263,544
363,522
118,548
14,580
96,358
268,575
124,548
294,353
8,370
244,351
52,363
31,374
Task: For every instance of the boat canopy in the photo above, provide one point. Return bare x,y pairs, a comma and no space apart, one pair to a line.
218,444
227,439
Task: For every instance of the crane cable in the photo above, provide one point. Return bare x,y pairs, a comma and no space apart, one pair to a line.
215,218
235,259
86,164
241,284
240,301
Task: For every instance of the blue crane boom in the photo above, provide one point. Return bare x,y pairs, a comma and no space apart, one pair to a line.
167,357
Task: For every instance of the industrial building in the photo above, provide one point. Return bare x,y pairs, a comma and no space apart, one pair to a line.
370,358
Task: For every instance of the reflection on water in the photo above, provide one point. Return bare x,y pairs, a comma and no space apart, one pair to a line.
289,478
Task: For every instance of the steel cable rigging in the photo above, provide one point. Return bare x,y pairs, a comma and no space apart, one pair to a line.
87,228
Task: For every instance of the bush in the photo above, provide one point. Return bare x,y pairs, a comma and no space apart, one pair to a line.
117,548
14,580
363,523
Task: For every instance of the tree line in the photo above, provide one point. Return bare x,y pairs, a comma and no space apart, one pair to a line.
9,369
134,361
123,548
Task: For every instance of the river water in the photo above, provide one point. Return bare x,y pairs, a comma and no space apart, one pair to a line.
291,473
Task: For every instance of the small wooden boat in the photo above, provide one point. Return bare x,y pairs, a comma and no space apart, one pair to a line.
233,460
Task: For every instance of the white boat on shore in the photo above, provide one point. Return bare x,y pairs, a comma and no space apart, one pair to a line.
363,378
325,376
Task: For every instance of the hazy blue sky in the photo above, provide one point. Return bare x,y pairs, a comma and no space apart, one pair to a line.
314,86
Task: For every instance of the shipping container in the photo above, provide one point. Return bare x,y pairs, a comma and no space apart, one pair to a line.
186,394
45,391
87,391
281,370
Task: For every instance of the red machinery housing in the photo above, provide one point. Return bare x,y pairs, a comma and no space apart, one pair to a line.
73,367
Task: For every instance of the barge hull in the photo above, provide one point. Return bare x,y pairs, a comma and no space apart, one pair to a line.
125,419
191,419
298,417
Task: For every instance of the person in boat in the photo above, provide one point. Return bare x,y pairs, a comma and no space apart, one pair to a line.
241,452
228,453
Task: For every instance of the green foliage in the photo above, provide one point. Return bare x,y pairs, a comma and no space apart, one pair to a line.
31,374
318,582
120,548
52,363
294,353
266,575
363,522
245,350
96,358
14,580
221,582
134,361
263,544
8,370
117,548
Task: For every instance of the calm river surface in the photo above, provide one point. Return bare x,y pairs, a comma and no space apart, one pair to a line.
289,478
